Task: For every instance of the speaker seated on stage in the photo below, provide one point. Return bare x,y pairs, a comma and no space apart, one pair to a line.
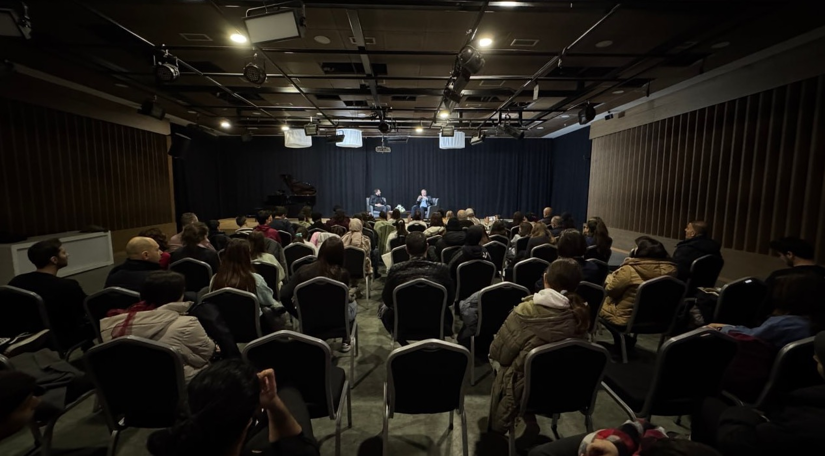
423,204
376,203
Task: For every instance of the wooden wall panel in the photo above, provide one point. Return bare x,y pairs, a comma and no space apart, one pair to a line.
753,167
61,172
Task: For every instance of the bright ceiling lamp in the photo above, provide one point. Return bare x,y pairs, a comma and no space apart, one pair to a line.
225,123
419,129
485,42
237,38
505,4
444,114
285,128
279,25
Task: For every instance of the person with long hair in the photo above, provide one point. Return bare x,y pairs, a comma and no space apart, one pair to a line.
302,237
355,238
553,314
400,232
595,233
524,230
473,249
194,239
258,252
161,315
436,225
237,272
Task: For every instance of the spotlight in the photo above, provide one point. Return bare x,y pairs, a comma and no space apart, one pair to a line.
166,72
485,42
419,129
225,124
283,24
311,129
285,128
476,140
587,114
384,127
471,60
516,133
152,109
14,24
254,74
237,38
448,131
444,114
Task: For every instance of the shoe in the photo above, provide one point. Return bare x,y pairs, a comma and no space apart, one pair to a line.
27,343
347,346
526,433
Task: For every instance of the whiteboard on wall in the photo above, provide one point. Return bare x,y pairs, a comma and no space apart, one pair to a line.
86,251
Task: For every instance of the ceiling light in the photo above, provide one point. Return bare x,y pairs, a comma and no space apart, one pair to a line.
419,129
476,140
444,114
565,116
604,44
322,39
310,129
515,132
539,128
256,113
254,74
505,4
285,128
484,42
471,60
447,131
384,127
720,45
237,38
225,124
319,114
192,112
618,92
232,6
166,72
283,24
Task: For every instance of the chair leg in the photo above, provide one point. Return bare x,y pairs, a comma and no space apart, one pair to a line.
623,343
349,408
588,422
367,282
451,420
338,432
472,360
38,437
113,443
555,425
386,430
511,440
464,444
46,448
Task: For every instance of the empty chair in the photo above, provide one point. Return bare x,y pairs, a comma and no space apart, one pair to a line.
294,252
355,261
420,311
527,272
305,363
704,272
139,383
654,310
371,235
286,238
739,302
548,393
546,252
521,244
447,253
97,305
500,238
593,295
24,312
399,254
239,310
689,368
494,305
270,274
424,378
198,274
433,240
604,269
793,369
472,276
498,252
301,262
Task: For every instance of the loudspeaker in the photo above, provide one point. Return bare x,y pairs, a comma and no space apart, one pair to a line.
587,114
152,109
180,144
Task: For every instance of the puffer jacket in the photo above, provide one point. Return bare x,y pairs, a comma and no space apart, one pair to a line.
418,268
622,284
169,324
540,319
450,239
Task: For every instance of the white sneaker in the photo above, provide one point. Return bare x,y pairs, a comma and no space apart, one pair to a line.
345,347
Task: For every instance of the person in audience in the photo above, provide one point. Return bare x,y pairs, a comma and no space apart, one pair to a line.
454,236
791,425
531,217
415,219
224,402
62,297
400,232
142,258
553,314
302,237
339,218
697,244
471,216
449,215
243,228
216,237
647,260
797,254
417,267
395,216
194,240
161,316
567,221
518,218
237,272
304,217
555,226
463,219
498,228
595,233
540,235
176,242
377,202
436,226
159,236
280,222
422,203
355,238
383,228
547,214
317,222
258,252
330,264
264,218
571,244
472,250
524,230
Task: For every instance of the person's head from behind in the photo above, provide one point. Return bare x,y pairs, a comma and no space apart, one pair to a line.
240,221
19,397
470,213
157,235
331,252
194,234
401,228
382,215
800,294
539,229
417,216
567,221
449,215
162,287
498,228
280,212
436,219
547,211
188,218
555,222
214,226
518,217
356,225
524,229
301,235
339,215
564,276
416,243
571,244
696,228
48,254
316,217
647,247
141,248
257,244
396,214
236,267
223,399
793,251
263,217
475,235
462,215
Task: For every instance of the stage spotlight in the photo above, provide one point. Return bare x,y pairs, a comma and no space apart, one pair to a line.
471,60
448,131
166,72
311,129
254,74
225,124
587,114
444,114
15,25
283,24
516,133
384,127
237,38
152,109
476,140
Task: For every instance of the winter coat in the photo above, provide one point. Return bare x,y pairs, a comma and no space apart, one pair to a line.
540,319
622,284
131,274
690,250
355,238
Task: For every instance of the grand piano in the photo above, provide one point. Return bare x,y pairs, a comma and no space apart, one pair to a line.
298,195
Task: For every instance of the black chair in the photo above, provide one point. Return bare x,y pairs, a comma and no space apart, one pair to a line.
604,269
198,274
355,261
24,312
373,237
514,231
593,252
270,274
420,309
412,228
286,238
500,238
397,241
494,305
794,368
316,301
583,364
240,311
654,312
301,262
139,383
447,253
305,363
498,253
593,295
472,276
521,244
704,272
689,368
97,305
424,378
739,301
527,272
433,240
294,252
546,252
399,254
316,230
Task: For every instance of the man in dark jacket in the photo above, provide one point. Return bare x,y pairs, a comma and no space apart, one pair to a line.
454,236
417,267
142,257
280,222
696,245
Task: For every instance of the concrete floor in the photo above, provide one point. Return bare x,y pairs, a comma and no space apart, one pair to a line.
409,434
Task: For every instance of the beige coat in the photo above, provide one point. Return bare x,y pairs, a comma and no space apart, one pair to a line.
355,238
622,284
169,325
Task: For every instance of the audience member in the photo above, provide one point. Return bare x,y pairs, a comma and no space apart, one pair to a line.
798,255
161,316
383,228
355,238
395,215
571,244
415,219
524,230
531,217
194,241
449,215
547,216
472,250
258,252
540,235
20,396
280,221
142,258
555,226
518,218
243,228
454,236
264,218
567,221
62,297
176,242
553,314
417,267
471,216
436,226
237,272
697,244
302,237
305,217
339,218
499,228
159,236
216,237
317,222
595,233
400,232
463,219
224,400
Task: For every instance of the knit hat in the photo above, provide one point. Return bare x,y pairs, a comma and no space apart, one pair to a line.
15,387
819,346
453,225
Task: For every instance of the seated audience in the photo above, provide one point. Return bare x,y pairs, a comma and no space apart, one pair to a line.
317,222
524,230
567,221
258,252
540,235
518,218
463,219
19,401
454,236
547,216
161,315
305,217
555,226
436,226
280,222
160,237
417,267
395,216
498,228
595,233
798,255
176,242
471,216
472,250
62,297
449,215
264,218
193,239
142,258
697,244
216,237
339,218
224,404
355,238
243,228
553,314
302,237
415,219
237,272
571,244
330,264
400,232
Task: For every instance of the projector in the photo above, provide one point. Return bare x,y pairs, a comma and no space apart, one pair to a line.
383,149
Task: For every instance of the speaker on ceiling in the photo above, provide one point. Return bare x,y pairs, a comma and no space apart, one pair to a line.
180,144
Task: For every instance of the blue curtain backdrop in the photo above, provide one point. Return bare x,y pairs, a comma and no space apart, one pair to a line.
571,174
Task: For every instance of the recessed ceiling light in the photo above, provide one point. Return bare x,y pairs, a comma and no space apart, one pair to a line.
485,42
319,114
285,128
225,124
618,92
444,114
604,44
720,45
564,116
232,6
505,4
118,84
322,39
237,38
419,129
191,112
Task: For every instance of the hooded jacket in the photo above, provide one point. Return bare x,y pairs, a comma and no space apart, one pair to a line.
622,284
355,238
455,235
540,319
470,251
692,249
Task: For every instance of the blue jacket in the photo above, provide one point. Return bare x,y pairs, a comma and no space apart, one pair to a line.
777,330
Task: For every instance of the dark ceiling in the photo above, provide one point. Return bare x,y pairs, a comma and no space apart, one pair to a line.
410,48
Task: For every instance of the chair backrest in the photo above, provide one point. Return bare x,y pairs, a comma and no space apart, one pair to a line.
527,272
397,241
547,391
355,260
197,273
593,295
139,382
657,301
399,254
498,253
794,368
322,308
427,377
316,230
97,305
22,310
705,271
593,252
546,252
420,306
270,274
472,276
301,262
514,231
494,305
369,206
604,270
240,311
299,361
294,252
433,240
521,244
416,227
500,238
286,238
373,237
739,301
447,253
690,367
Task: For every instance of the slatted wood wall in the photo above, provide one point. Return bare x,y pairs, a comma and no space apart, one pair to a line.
61,172
753,167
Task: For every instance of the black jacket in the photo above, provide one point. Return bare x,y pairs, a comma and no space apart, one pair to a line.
467,253
690,250
449,239
131,274
208,256
305,274
417,268
63,299
283,225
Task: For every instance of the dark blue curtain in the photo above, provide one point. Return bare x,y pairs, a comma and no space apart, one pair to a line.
571,174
